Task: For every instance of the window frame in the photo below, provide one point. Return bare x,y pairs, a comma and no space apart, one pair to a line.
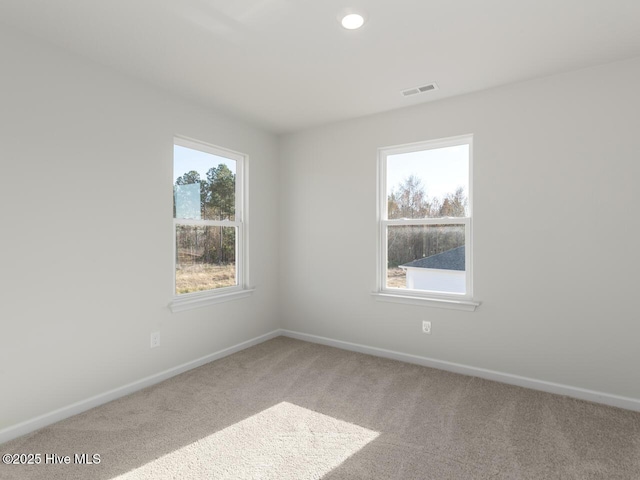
423,297
186,301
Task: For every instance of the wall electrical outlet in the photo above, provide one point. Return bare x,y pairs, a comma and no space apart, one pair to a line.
155,339
426,327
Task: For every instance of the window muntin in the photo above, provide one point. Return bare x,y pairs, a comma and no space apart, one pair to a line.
425,219
208,219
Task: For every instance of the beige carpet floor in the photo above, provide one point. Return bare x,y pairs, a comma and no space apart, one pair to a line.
287,409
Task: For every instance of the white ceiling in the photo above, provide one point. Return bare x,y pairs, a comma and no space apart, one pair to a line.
286,65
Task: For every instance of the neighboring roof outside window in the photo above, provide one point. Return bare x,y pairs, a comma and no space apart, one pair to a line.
453,259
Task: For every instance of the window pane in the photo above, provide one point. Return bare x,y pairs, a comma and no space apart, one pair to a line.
426,257
204,185
205,258
429,183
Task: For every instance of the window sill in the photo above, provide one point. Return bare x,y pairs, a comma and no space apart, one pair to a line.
190,301
467,305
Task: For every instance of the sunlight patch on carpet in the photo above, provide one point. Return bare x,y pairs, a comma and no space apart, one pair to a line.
282,442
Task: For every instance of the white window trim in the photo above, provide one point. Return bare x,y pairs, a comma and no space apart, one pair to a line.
422,297
188,301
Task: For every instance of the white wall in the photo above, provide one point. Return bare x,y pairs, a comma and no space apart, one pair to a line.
556,230
86,239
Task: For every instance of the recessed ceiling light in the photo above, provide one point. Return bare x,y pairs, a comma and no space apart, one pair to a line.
352,21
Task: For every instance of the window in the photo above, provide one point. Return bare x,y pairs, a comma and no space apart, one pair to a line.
425,222
208,224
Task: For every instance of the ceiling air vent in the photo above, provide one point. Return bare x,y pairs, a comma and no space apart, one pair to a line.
421,89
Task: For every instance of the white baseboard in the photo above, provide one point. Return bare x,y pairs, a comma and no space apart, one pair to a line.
41,421
550,387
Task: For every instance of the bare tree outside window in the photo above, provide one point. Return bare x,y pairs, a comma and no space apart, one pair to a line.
426,223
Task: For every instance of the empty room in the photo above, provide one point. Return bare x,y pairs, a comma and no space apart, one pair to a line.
295,239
